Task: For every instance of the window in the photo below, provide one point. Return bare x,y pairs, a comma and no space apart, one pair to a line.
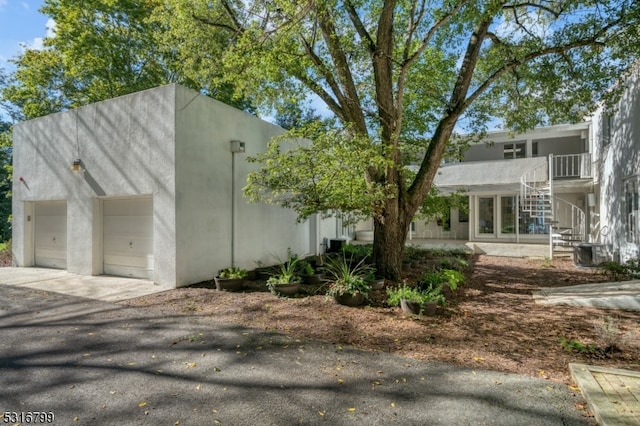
534,149
485,215
463,211
632,216
532,225
515,150
607,122
508,215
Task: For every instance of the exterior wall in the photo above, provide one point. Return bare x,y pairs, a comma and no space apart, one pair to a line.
126,147
618,160
559,140
216,226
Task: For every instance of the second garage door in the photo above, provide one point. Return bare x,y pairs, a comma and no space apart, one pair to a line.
128,237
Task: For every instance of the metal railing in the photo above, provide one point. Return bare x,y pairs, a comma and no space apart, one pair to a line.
535,188
572,166
570,219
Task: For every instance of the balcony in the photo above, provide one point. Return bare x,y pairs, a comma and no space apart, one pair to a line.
572,166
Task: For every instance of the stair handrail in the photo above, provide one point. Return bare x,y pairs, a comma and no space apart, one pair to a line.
533,182
577,217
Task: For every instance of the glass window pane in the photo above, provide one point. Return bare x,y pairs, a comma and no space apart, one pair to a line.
631,207
520,150
485,215
532,225
508,215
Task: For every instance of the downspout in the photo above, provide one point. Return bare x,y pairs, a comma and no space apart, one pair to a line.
553,216
236,147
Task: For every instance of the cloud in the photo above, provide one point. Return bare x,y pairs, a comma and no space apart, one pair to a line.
38,42
50,26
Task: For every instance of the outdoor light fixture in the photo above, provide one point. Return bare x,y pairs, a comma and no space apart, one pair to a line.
76,166
237,146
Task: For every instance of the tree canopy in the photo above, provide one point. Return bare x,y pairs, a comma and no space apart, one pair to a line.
398,77
403,75
100,50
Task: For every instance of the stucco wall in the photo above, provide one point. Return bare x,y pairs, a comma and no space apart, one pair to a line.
126,147
618,160
204,163
170,143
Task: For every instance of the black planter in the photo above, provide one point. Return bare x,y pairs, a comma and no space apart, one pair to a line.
288,289
349,300
229,284
417,308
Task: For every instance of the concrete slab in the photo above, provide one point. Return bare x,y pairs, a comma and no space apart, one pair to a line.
613,395
102,287
615,295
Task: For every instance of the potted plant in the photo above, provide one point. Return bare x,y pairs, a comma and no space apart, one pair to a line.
231,279
285,280
349,285
414,300
309,274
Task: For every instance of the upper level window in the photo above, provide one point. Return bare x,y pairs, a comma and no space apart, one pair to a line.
631,209
607,122
515,150
534,149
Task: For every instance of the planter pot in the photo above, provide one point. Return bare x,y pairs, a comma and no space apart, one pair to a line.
229,284
377,285
349,300
428,308
288,289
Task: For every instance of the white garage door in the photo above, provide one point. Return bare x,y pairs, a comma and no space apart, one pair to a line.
51,234
128,237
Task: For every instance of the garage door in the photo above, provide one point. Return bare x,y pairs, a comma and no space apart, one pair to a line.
51,234
128,237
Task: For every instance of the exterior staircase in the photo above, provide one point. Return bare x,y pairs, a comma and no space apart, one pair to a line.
565,221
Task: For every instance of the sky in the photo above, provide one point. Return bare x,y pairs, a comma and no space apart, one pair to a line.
20,25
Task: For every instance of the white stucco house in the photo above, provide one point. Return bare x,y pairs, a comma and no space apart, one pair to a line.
148,185
617,153
559,186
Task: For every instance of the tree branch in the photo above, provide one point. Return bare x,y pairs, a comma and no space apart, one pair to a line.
359,26
350,101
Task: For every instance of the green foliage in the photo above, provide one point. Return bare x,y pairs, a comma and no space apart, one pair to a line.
449,277
103,49
348,278
286,272
577,346
6,173
319,169
233,273
357,252
615,270
457,263
433,293
454,278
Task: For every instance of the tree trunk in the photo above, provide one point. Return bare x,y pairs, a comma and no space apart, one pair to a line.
389,238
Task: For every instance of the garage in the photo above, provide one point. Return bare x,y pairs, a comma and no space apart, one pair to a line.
128,237
50,221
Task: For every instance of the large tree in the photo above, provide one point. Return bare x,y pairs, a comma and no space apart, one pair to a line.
98,50
404,74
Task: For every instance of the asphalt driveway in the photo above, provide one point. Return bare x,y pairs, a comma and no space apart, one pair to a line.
97,363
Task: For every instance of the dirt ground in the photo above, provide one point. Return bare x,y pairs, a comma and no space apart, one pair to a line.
491,321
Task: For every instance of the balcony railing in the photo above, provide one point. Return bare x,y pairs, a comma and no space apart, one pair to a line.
577,166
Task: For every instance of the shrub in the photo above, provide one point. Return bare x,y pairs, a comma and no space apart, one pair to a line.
233,273
413,294
348,278
450,277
